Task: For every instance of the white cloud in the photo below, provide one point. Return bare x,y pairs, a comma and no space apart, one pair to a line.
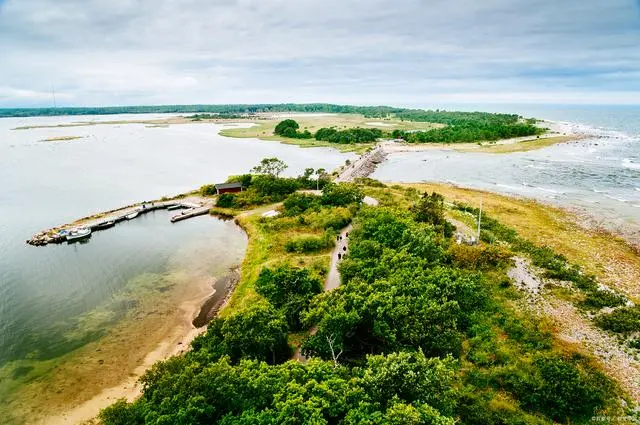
401,52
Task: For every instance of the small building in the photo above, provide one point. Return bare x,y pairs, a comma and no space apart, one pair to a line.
228,188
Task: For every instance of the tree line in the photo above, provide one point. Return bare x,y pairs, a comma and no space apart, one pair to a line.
461,128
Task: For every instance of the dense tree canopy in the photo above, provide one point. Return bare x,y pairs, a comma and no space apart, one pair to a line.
415,334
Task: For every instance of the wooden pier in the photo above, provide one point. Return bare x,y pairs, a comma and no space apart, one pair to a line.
192,207
193,212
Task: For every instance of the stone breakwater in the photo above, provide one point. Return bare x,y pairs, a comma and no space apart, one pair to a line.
364,166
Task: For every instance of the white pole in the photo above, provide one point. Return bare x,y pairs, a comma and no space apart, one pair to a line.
479,219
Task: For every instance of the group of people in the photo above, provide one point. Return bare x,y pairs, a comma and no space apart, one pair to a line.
342,252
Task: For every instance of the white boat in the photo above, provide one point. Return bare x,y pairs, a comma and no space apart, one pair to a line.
132,215
78,234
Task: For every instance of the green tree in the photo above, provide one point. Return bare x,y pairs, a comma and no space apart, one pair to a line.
270,166
284,128
289,289
256,332
341,194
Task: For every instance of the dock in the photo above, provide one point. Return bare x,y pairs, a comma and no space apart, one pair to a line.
193,212
191,207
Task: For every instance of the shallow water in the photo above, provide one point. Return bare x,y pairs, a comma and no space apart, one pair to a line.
600,175
47,293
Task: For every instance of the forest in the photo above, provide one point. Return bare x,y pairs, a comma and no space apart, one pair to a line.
461,127
420,331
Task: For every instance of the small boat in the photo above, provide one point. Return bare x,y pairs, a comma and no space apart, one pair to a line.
104,225
78,234
175,207
132,215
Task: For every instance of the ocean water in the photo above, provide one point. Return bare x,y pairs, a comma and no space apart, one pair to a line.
47,293
599,175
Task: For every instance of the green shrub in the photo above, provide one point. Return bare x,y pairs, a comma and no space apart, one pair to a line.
367,181
342,194
121,413
309,244
562,387
297,203
208,190
621,320
603,298
226,200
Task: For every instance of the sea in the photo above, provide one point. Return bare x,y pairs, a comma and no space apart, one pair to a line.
598,176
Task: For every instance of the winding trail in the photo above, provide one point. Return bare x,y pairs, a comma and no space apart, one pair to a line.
333,278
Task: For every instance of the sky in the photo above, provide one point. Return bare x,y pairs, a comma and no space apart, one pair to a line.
402,52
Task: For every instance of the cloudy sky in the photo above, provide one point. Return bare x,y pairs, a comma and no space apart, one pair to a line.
400,52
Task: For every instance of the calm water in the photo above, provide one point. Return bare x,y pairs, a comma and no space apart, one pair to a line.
600,175
44,292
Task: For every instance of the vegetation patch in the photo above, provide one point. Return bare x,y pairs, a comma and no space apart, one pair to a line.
412,335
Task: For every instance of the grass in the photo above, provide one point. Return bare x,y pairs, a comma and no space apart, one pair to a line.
601,253
263,129
521,146
266,248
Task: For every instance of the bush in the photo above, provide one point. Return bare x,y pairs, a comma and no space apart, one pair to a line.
309,244
226,200
562,387
121,413
342,194
478,257
208,190
622,320
603,298
297,203
367,181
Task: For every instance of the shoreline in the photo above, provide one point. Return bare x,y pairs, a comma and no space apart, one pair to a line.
175,343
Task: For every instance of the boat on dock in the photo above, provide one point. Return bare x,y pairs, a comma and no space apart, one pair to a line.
78,234
175,207
132,215
104,225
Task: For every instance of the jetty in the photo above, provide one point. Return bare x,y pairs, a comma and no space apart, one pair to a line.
364,166
189,207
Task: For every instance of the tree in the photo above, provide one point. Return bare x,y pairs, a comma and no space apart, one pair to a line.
284,128
289,289
256,332
430,209
338,195
271,166
321,173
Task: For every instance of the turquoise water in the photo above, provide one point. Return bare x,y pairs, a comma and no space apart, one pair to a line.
45,291
599,175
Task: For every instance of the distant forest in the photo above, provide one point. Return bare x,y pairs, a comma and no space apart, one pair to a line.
372,111
368,111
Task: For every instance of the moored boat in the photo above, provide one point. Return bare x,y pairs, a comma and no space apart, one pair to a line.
78,234
132,215
104,225
175,207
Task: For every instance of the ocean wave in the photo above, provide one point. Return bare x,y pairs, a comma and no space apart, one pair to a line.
628,163
615,198
546,189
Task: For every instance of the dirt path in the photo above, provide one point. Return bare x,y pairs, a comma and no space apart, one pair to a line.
333,278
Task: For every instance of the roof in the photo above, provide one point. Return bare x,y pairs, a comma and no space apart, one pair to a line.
236,185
